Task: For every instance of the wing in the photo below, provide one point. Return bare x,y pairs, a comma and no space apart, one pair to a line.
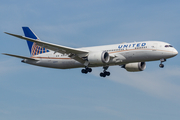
76,54
54,47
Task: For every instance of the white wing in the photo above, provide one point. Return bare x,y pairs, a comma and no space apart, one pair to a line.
76,54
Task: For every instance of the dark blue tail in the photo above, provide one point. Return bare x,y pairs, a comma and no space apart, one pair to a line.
33,48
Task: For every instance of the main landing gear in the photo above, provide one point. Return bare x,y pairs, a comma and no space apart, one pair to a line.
102,74
86,70
105,73
162,65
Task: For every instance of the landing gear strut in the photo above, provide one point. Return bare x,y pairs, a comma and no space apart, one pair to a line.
105,73
86,70
162,65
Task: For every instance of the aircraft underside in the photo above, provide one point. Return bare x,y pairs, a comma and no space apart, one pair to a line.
69,63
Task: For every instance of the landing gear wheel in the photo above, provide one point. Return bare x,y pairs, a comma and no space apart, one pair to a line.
102,74
89,69
105,73
86,70
161,66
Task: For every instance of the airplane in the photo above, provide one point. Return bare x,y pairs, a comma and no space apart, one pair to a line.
130,56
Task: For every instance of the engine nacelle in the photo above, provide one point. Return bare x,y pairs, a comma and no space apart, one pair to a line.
98,57
135,67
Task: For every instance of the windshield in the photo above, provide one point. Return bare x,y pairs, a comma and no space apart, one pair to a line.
168,46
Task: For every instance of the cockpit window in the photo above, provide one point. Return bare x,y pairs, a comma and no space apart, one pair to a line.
168,46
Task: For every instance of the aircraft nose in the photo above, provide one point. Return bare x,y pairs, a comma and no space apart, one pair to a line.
175,52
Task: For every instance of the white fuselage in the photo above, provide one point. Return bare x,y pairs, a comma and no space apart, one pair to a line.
120,54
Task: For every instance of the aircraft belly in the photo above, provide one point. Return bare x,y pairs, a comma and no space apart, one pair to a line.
52,63
147,56
133,56
156,55
138,56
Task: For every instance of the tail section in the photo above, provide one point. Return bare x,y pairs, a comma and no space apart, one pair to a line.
33,48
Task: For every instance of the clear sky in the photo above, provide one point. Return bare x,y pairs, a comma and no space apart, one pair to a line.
35,93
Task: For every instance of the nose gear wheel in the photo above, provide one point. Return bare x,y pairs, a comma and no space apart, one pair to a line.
162,65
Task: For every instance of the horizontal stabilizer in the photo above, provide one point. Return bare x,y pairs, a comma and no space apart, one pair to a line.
17,56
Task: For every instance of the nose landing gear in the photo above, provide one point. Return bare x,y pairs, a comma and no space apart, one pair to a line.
162,65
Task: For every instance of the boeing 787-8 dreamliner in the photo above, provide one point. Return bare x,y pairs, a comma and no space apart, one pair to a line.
131,56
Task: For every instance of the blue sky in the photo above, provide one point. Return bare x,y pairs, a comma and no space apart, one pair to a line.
30,92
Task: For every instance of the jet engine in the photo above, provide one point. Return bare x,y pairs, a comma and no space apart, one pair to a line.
135,67
98,57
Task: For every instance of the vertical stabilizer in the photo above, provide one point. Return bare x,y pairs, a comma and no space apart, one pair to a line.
33,48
